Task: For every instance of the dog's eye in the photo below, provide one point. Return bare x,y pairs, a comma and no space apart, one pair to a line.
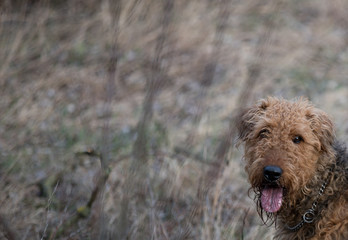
264,133
297,139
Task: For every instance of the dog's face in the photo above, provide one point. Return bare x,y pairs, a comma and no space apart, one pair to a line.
283,144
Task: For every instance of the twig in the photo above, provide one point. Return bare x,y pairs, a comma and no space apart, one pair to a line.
84,211
243,222
48,209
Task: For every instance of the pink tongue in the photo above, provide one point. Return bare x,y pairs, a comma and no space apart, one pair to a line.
271,199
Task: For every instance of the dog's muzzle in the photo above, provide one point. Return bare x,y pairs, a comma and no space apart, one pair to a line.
272,193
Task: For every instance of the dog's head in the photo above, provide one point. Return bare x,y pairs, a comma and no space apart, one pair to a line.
286,143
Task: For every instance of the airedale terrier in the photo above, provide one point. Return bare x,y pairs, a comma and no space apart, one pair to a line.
297,169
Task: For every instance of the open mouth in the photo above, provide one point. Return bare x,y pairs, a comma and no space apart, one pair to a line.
271,198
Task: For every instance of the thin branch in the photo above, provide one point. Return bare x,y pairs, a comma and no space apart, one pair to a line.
85,211
48,209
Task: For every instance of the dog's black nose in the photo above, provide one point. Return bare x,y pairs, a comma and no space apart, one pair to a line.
272,173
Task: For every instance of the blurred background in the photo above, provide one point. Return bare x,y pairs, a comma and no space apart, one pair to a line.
117,116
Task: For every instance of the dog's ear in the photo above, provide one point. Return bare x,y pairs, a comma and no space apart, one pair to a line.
322,127
244,124
247,119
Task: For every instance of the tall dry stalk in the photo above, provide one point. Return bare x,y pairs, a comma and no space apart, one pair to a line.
140,152
245,96
209,181
99,225
206,81
154,84
207,77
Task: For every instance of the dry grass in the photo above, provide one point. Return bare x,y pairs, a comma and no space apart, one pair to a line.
153,86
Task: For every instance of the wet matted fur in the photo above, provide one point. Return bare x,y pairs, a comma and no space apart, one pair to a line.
297,169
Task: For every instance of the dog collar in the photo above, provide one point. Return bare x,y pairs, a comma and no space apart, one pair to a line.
309,215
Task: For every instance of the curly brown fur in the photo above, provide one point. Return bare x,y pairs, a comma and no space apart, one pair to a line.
299,139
